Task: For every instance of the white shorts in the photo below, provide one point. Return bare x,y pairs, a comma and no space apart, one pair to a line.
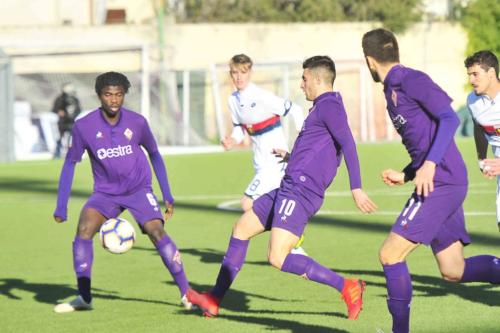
264,182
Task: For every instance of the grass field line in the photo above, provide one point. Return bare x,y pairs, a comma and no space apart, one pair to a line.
233,206
389,192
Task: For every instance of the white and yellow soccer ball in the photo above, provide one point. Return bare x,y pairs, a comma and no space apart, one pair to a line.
117,235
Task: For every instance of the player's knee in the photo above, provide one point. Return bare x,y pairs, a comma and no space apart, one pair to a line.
84,231
386,257
451,275
276,259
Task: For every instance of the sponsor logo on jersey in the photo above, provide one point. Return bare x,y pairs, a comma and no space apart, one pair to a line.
128,134
114,152
399,121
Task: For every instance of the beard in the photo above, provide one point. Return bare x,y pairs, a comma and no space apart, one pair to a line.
375,75
373,72
109,113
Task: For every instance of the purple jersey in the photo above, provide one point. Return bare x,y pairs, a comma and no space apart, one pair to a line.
414,103
318,150
119,165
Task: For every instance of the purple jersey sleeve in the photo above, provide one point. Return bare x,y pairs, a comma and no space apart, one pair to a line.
64,189
436,102
335,120
148,141
77,145
161,175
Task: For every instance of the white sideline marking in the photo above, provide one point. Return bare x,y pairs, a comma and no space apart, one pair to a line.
233,206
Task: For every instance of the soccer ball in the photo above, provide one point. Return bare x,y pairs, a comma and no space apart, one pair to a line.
117,235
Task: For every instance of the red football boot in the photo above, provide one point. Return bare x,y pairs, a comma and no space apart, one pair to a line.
352,294
208,303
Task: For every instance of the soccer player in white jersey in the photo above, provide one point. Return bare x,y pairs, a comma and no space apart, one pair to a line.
258,112
484,105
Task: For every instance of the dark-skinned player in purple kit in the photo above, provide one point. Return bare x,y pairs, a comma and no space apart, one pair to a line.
422,114
312,165
113,138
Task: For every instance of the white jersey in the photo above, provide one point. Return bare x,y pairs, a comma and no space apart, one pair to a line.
257,111
486,113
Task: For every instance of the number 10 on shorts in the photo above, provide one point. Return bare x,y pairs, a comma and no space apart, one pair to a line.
286,208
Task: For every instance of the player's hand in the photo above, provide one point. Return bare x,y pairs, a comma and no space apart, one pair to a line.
169,211
282,154
59,219
491,167
363,202
392,177
228,142
424,178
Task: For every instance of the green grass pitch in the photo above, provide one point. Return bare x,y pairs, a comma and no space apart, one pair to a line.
134,292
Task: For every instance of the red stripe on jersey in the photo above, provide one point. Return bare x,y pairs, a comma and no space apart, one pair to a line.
491,129
258,127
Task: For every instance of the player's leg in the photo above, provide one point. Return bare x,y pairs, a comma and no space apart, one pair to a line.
83,255
169,254
246,203
448,250
145,209
247,226
392,256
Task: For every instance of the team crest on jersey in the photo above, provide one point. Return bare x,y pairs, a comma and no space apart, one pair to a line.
394,97
128,133
253,105
99,135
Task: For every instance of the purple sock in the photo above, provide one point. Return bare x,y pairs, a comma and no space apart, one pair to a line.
172,260
399,290
231,265
482,268
311,270
83,256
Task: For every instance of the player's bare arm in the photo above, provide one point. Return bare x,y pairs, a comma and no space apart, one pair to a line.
424,178
481,142
228,142
363,202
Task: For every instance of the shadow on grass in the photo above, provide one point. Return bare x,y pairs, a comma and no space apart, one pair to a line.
53,293
431,286
237,301
206,255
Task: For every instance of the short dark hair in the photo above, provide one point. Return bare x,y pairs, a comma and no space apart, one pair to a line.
484,58
111,79
381,44
323,62
241,59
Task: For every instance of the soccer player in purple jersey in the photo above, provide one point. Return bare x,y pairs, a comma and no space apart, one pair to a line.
312,165
421,113
113,138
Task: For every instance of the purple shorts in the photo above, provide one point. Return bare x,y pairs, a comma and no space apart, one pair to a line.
142,204
288,207
437,220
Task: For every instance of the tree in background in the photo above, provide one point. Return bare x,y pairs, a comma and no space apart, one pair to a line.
396,15
481,20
